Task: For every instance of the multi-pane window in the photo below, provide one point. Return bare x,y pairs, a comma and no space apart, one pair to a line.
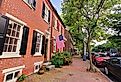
38,43
31,2
37,66
54,45
12,76
46,14
12,37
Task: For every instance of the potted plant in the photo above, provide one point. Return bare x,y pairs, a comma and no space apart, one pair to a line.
21,78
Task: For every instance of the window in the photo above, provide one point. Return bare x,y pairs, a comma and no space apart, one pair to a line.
31,3
55,24
54,45
12,74
38,43
46,13
37,66
13,39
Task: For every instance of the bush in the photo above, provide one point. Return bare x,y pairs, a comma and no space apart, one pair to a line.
21,78
60,59
67,58
57,60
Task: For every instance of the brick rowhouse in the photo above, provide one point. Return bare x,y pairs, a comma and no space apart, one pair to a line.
26,36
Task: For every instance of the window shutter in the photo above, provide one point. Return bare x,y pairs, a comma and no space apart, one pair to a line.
57,25
52,44
24,40
34,3
34,42
3,29
49,16
43,10
43,45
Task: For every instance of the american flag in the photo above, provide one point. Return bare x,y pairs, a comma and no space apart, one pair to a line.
59,42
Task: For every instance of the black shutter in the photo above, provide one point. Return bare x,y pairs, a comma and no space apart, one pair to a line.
34,3
43,45
49,16
3,29
43,10
24,40
34,42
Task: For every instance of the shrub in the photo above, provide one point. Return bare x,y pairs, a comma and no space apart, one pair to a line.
57,60
67,58
60,59
21,78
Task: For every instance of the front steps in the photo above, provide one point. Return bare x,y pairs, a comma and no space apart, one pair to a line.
47,66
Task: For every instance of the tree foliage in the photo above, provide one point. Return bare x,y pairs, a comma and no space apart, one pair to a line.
89,15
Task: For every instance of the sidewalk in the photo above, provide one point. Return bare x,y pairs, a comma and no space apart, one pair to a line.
76,72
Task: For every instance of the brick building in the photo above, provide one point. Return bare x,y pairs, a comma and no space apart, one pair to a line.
27,36
69,44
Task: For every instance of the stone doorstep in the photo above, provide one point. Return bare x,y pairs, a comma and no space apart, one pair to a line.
50,67
47,64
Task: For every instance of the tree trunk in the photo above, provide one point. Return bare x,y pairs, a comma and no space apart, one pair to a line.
91,68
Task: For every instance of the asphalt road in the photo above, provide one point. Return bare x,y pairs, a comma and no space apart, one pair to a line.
110,76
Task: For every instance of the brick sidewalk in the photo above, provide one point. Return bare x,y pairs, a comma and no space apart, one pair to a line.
76,72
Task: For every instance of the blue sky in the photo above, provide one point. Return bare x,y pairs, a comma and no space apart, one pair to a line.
57,5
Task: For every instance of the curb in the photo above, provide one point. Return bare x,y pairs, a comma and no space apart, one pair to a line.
103,74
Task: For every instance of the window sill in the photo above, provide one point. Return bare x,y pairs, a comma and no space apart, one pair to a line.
46,21
10,55
37,54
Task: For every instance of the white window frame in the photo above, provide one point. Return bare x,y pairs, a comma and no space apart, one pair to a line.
12,70
14,54
55,24
46,14
39,53
54,44
37,64
30,5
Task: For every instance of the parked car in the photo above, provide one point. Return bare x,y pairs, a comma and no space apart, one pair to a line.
99,59
113,66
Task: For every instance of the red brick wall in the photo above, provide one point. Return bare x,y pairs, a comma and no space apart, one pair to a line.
34,20
68,43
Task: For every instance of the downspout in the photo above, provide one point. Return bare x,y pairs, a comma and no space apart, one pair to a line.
51,39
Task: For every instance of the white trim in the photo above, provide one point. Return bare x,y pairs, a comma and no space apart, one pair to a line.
15,19
13,69
47,32
14,54
10,55
39,53
36,63
39,31
28,4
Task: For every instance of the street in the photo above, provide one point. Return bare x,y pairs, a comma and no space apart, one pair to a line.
109,76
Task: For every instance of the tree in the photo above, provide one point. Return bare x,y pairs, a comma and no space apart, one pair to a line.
88,14
115,24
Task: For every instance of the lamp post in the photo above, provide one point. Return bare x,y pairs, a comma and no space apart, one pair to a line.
85,45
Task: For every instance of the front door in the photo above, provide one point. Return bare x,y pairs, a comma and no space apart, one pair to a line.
46,49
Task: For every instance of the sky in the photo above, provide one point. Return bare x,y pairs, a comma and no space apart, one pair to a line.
57,5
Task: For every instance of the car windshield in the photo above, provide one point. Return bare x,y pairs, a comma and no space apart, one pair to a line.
113,50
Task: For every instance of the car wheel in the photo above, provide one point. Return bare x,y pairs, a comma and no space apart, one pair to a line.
106,70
